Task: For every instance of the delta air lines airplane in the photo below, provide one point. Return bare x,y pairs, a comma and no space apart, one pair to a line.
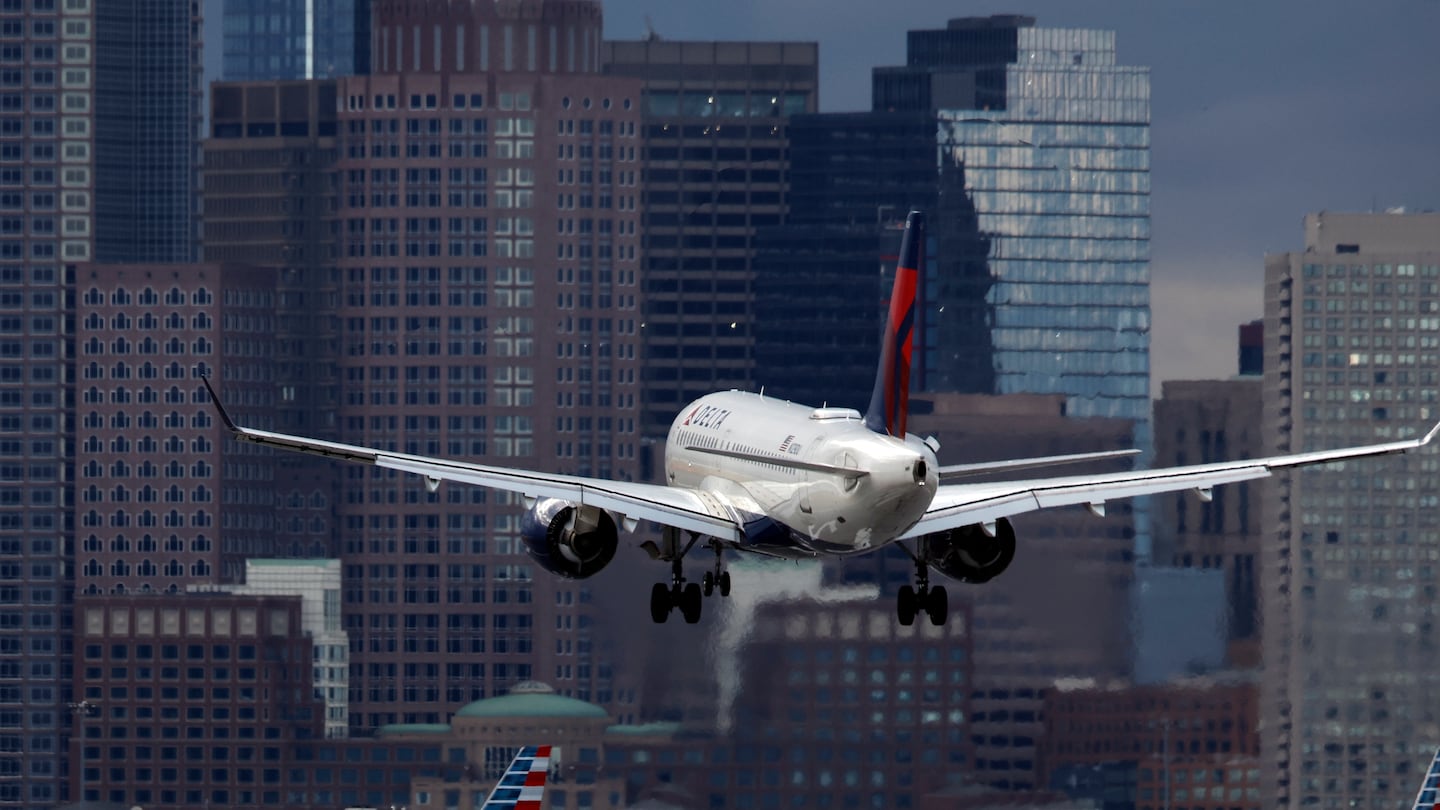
751,474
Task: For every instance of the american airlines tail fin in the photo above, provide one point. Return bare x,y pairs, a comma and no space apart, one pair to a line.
523,785
890,400
1430,787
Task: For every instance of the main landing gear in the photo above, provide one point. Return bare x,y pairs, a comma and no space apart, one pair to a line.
682,595
912,601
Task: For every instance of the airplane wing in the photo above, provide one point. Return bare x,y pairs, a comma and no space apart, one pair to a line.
957,505
683,509
1430,787
523,785
1012,464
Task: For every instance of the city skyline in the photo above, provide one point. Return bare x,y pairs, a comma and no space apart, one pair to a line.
417,135
1255,123
1246,100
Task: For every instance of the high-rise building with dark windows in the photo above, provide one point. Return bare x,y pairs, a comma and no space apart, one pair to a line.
295,39
99,113
715,119
148,112
270,201
488,209
465,221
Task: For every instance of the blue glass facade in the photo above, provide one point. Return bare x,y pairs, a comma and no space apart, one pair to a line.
295,39
1061,185
147,131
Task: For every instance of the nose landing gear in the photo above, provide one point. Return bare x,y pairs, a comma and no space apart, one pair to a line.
921,598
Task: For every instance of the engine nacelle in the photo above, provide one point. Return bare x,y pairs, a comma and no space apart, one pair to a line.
569,541
968,554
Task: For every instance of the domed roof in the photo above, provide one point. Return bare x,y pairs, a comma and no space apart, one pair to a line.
532,699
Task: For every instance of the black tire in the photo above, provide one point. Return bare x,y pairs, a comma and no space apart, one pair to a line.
690,603
906,605
708,583
660,603
724,583
937,605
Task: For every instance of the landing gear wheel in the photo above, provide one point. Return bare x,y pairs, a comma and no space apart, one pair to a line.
660,603
690,603
907,605
937,605
708,583
724,583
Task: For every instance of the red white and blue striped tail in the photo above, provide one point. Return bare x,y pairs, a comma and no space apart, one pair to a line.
1430,788
890,399
523,785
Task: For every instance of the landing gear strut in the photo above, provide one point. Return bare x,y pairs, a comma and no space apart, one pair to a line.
719,577
912,601
682,595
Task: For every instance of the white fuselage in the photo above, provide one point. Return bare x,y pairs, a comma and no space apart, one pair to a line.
717,443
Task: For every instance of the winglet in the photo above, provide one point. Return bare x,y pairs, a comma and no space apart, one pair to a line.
890,399
215,398
1431,435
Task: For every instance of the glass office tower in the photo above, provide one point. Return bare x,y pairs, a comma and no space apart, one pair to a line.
295,39
1058,168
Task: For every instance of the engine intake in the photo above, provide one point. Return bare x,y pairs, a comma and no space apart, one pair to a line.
569,541
968,554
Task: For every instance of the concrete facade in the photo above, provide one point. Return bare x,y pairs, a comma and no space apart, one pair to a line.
1352,343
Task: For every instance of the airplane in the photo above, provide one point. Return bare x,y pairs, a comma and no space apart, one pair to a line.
754,474
523,784
1429,796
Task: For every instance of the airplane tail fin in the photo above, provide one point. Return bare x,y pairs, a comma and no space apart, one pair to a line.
1430,786
890,399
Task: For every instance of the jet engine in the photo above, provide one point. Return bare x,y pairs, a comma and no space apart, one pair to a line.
570,541
969,553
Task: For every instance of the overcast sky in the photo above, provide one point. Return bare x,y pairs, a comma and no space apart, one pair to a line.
1262,112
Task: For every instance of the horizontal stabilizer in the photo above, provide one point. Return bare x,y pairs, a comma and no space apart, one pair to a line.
985,467
781,461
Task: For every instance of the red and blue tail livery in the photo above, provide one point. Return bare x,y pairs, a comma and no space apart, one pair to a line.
523,785
1429,796
890,400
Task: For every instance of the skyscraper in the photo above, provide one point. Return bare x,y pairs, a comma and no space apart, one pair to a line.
78,144
819,279
162,500
715,143
269,200
1040,196
295,39
147,119
1352,668
1054,145
490,308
